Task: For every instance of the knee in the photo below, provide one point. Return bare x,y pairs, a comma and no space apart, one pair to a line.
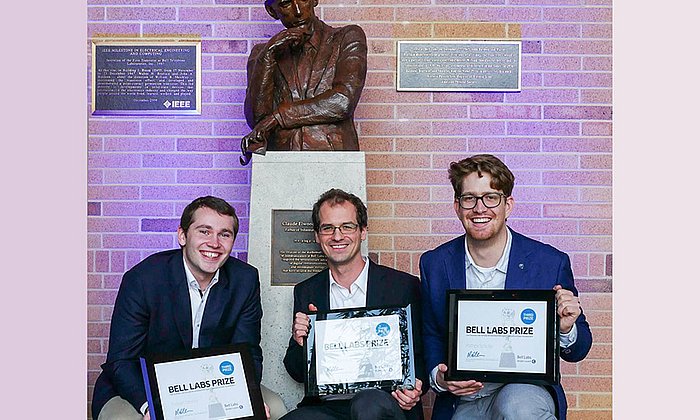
274,403
372,404
523,401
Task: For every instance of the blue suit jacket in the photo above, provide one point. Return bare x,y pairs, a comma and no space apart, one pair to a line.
385,287
152,314
532,265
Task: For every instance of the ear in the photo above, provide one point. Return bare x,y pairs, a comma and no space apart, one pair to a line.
271,11
316,237
363,234
457,208
510,203
315,3
181,236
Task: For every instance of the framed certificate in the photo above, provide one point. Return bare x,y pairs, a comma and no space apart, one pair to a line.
355,349
503,336
214,383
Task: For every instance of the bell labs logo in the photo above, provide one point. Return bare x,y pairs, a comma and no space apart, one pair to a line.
176,104
383,329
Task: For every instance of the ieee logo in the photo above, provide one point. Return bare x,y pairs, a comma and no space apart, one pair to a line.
176,104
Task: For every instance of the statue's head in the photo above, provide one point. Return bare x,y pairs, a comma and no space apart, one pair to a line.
292,12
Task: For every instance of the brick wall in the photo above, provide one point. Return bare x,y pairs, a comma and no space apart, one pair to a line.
556,135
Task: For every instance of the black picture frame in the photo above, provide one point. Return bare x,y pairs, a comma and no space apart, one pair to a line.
456,298
153,386
407,378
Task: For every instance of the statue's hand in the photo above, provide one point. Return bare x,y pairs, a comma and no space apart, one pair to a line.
256,140
294,37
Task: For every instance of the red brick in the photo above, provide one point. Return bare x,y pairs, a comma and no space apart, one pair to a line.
401,194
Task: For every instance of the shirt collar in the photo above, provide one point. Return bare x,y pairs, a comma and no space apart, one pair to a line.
192,281
502,264
359,283
315,40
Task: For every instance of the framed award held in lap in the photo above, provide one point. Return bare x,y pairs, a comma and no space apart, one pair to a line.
503,336
213,383
354,349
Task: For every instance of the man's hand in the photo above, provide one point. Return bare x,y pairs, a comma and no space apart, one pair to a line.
407,398
459,388
147,416
267,411
568,308
300,327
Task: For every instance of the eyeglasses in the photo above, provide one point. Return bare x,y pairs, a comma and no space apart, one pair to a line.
345,229
490,200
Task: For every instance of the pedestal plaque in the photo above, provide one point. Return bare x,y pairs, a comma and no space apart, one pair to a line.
290,181
295,254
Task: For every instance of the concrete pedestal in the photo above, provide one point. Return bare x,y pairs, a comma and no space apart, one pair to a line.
290,180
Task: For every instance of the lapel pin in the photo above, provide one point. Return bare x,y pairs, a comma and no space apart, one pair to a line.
521,266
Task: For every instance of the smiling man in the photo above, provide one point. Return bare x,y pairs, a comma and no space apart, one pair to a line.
351,281
160,307
304,83
492,256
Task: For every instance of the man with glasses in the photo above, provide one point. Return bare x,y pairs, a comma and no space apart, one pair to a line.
351,281
492,256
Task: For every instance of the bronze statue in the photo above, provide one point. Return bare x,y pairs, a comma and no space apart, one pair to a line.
304,83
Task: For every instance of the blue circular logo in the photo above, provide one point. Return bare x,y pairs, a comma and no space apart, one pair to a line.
528,316
226,367
383,329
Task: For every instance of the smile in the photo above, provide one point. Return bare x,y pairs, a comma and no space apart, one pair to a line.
481,219
210,254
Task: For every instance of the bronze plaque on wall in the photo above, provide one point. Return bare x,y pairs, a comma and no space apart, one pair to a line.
146,77
295,254
458,66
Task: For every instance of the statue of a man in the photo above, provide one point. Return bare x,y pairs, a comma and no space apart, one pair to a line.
304,83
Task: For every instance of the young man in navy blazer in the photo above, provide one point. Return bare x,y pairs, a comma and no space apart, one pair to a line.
351,281
195,296
492,256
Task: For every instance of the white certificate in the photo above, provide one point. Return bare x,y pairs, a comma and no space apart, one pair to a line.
502,336
213,387
358,350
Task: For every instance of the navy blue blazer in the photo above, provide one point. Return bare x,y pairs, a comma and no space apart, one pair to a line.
385,287
152,314
531,265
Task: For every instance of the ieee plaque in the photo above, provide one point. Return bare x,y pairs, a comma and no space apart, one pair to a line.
295,254
146,77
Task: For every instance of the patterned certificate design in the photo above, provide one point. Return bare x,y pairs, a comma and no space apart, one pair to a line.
358,350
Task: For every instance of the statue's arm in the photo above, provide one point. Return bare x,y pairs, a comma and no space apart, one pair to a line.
259,93
339,102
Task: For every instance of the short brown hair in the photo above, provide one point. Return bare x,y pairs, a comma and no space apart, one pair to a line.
215,203
501,177
337,196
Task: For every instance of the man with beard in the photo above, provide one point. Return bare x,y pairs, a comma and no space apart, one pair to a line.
492,256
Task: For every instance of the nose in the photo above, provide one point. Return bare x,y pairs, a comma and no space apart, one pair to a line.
214,242
337,236
297,8
480,206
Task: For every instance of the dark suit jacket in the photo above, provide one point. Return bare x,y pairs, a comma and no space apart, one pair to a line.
532,265
152,314
385,287
316,113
